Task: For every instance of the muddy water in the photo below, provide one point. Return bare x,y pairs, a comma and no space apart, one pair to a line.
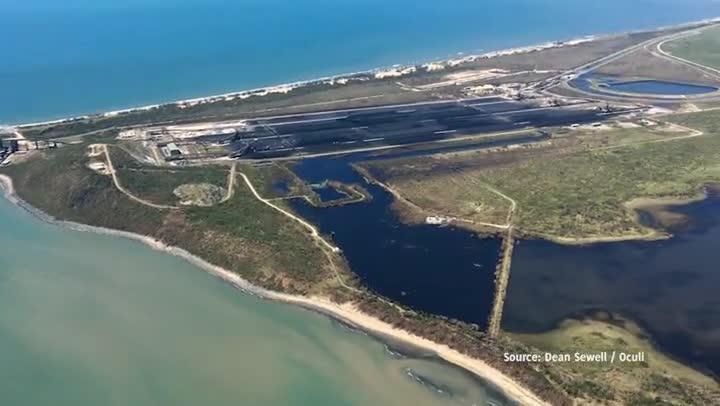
98,320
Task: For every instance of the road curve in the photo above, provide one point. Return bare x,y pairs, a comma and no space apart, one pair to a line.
119,186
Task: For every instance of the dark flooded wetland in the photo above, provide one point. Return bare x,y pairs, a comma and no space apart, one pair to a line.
669,286
441,270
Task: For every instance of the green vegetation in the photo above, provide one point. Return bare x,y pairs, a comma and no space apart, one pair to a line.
703,48
542,378
644,400
476,202
59,183
287,248
582,195
659,377
585,388
156,184
575,188
645,64
277,181
242,235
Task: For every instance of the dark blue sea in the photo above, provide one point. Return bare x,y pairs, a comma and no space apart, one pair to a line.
60,58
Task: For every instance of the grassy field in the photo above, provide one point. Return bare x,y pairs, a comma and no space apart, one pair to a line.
643,64
242,234
475,201
582,195
657,379
575,190
59,183
156,184
703,49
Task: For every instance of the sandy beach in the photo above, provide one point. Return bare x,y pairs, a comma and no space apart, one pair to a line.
6,184
394,71
346,313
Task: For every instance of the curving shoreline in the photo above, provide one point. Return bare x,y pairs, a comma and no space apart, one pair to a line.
346,313
634,205
384,72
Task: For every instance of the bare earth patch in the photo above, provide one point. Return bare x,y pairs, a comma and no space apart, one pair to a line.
199,194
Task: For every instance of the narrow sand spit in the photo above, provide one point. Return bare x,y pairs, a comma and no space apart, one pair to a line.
347,313
8,188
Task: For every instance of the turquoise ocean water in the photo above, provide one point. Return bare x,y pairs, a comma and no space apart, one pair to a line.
82,56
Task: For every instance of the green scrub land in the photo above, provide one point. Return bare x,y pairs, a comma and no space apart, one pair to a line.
703,48
570,191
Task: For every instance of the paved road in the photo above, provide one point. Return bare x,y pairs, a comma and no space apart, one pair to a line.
653,46
707,70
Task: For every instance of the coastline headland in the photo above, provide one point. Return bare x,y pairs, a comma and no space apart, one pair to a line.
346,313
395,71
249,227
